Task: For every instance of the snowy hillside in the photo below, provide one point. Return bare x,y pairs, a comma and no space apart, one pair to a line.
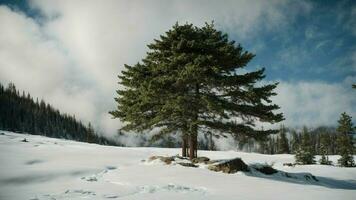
46,168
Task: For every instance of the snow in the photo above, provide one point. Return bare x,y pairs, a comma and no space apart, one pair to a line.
47,168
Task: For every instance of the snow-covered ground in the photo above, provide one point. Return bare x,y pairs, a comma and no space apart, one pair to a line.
46,168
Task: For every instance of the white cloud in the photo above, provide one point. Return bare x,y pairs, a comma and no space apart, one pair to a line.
73,57
37,65
315,103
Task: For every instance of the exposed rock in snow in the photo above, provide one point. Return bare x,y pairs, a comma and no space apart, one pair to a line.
230,166
264,168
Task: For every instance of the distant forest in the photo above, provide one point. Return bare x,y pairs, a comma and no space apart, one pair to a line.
289,140
20,113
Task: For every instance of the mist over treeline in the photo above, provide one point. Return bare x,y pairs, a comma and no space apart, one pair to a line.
287,140
19,112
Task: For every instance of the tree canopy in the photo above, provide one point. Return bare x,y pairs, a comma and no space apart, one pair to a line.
189,82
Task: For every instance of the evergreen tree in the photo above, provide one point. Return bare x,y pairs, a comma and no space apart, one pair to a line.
272,145
189,83
90,133
295,141
344,141
264,146
324,160
305,154
283,143
345,125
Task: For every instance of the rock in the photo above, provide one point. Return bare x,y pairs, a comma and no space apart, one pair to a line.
24,140
268,170
181,157
167,160
211,162
289,164
230,166
200,160
308,177
90,179
187,164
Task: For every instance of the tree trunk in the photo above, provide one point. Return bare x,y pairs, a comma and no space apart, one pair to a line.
196,145
191,147
193,129
211,142
184,145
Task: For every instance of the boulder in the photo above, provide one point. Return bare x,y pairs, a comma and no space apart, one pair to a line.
24,140
230,166
200,160
167,160
289,164
187,164
266,169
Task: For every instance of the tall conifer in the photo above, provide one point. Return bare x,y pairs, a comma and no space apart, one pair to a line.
190,82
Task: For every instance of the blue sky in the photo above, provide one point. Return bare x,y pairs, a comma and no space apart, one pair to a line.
318,45
75,49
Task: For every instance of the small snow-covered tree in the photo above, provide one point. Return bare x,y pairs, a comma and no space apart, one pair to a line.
344,142
303,157
324,160
305,154
345,150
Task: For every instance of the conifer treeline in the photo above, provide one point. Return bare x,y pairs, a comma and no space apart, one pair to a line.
20,113
289,140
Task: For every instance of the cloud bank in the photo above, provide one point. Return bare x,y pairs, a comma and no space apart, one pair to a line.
315,103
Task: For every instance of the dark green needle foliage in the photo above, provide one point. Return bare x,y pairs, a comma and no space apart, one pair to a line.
344,141
283,143
189,82
305,154
20,113
323,149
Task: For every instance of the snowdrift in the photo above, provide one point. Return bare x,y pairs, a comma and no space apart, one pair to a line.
46,168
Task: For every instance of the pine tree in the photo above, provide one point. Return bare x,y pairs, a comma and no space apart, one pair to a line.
264,146
295,142
344,142
189,83
90,133
323,149
324,160
305,154
283,143
346,153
